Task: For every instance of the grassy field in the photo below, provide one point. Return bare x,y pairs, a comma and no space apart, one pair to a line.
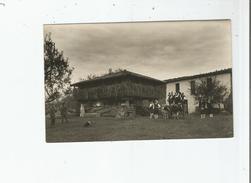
140,128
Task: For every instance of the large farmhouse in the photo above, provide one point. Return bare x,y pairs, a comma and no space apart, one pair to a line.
132,89
186,85
118,88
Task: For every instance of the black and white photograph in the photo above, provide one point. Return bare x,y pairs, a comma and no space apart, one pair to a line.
119,91
138,81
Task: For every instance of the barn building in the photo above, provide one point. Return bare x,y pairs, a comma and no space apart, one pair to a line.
186,84
114,89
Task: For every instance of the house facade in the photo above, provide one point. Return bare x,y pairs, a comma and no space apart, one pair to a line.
115,89
136,90
187,84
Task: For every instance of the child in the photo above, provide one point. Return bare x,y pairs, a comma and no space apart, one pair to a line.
165,111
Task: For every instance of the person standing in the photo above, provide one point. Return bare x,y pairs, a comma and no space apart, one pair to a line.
203,107
151,109
210,107
166,111
176,98
64,115
82,110
156,109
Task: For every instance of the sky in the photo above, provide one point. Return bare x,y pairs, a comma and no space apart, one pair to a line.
161,50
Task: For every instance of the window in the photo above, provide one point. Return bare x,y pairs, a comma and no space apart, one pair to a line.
192,87
177,87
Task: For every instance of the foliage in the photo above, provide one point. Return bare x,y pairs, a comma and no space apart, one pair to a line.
228,103
213,90
57,71
94,76
110,71
91,76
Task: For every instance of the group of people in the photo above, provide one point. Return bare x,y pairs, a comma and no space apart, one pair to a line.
205,105
176,98
63,113
175,105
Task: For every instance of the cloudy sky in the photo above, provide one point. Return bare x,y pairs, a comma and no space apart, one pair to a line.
161,50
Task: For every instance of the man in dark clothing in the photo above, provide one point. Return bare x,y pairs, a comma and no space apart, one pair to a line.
170,98
210,107
176,98
182,96
203,107
64,115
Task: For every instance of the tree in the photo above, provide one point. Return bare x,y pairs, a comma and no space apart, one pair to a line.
57,71
94,76
210,88
91,76
57,79
228,103
111,71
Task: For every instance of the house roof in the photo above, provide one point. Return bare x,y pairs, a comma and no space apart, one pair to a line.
117,75
223,71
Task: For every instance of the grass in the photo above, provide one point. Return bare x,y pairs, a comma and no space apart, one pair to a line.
140,128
